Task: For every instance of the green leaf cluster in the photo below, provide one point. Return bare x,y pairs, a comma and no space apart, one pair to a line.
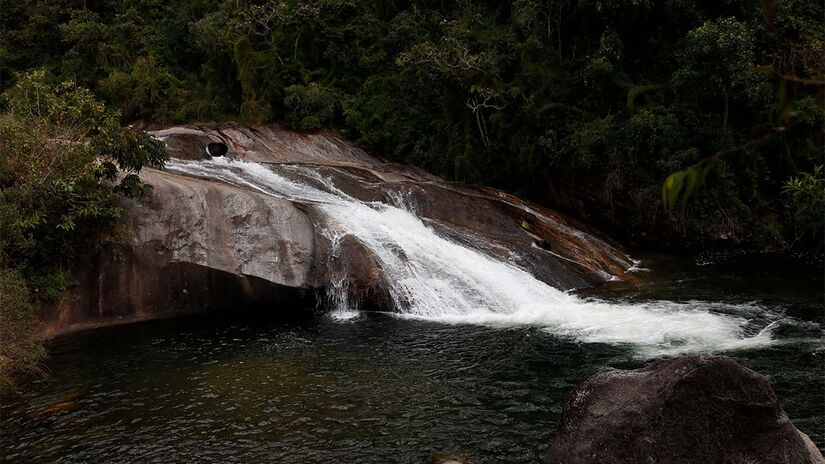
65,158
806,195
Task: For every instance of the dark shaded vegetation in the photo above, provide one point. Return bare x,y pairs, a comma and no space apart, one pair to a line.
586,105
65,159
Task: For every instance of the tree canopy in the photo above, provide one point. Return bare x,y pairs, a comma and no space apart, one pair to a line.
586,105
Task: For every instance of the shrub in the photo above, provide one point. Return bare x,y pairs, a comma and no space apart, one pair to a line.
310,106
20,350
65,159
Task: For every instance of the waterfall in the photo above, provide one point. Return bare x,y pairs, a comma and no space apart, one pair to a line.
434,278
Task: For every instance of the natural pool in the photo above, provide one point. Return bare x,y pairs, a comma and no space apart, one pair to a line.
241,387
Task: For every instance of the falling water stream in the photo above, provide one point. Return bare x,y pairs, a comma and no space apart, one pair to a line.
433,278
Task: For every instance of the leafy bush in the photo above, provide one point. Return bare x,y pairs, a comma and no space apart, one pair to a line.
59,173
310,107
20,350
65,159
806,195
147,91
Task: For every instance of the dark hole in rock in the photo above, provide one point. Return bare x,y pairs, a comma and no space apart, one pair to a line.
216,149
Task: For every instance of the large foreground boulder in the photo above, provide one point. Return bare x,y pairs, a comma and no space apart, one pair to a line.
693,409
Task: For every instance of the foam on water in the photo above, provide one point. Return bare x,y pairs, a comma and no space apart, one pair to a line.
431,277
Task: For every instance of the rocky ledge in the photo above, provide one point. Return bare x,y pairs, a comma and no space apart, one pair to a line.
196,243
692,409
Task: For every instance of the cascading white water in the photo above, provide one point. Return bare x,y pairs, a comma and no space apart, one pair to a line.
431,277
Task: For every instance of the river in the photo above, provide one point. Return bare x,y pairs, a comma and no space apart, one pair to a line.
301,385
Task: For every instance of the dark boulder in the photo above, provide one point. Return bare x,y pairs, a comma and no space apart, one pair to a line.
693,409
356,272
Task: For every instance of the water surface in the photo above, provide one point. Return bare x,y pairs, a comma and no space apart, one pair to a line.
242,387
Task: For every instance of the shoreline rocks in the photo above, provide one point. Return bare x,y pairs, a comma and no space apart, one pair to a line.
692,409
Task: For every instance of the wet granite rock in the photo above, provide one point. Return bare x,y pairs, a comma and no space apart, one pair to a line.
196,243
693,409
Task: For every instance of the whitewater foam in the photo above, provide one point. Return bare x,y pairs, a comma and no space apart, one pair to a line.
431,277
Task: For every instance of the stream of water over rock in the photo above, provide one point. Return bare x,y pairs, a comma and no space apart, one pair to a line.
432,277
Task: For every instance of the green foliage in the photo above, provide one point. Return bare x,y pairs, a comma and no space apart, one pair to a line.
597,101
65,159
148,90
20,350
806,195
310,107
62,151
718,61
255,73
681,185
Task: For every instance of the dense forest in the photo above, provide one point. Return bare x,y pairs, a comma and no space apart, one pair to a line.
586,105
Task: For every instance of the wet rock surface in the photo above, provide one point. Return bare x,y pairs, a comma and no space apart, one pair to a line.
692,409
192,232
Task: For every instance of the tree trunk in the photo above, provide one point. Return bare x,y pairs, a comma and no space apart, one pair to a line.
725,117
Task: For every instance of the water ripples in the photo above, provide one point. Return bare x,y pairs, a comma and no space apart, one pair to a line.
378,390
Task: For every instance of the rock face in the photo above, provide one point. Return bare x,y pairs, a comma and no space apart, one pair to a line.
197,243
192,245
685,410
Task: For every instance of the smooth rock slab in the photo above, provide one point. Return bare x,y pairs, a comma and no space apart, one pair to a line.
196,243
693,409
